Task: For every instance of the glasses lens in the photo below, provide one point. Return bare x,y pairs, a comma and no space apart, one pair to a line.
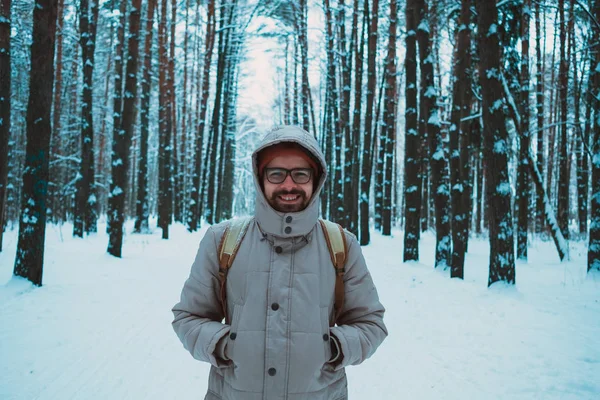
301,175
276,175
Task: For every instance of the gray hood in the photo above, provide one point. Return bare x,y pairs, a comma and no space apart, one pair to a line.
275,222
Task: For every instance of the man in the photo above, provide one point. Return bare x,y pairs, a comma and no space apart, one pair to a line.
278,341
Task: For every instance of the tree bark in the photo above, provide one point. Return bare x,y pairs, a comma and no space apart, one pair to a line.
563,158
439,169
142,211
594,235
412,157
502,263
539,95
5,106
389,118
122,141
84,216
523,184
459,141
197,194
164,151
369,132
32,222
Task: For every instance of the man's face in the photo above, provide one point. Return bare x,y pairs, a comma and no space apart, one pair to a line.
288,196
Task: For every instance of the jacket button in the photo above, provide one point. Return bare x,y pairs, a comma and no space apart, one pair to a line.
275,306
288,219
278,249
288,229
325,337
232,335
272,371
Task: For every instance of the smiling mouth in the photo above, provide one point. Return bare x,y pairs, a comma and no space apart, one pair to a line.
289,197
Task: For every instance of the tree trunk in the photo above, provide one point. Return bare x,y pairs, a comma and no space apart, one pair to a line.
346,57
369,132
32,222
502,263
332,127
164,151
197,195
523,185
142,211
118,94
430,116
353,189
302,15
84,216
390,123
539,95
122,141
594,244
412,158
459,140
563,138
5,106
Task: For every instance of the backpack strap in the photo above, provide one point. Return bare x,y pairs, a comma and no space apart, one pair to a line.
230,243
338,249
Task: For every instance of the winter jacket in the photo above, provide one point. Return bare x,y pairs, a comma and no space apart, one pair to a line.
280,296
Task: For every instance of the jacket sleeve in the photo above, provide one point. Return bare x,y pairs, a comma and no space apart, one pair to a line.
198,315
360,328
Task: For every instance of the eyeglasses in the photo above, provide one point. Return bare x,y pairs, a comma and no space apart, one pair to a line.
279,175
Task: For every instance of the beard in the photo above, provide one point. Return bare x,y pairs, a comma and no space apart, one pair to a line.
282,206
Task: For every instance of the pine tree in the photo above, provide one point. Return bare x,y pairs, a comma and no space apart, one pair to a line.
32,223
5,105
122,140
496,147
412,157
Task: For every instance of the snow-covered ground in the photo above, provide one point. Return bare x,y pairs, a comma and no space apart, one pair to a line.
99,327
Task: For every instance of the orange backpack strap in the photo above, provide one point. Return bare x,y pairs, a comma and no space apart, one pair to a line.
228,247
338,250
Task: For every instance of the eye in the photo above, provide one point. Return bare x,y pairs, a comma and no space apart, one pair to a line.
301,175
276,174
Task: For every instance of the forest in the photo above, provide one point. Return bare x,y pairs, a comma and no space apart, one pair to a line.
460,117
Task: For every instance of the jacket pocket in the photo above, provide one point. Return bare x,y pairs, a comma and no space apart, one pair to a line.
233,332
326,333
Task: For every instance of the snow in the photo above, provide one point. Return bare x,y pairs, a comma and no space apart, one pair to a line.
100,327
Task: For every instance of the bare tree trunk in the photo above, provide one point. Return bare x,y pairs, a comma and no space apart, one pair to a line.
197,194
459,141
353,189
331,129
523,184
502,262
540,113
5,106
302,15
122,141
118,96
369,132
389,118
164,152
439,177
412,157
142,211
32,222
84,217
563,138
346,57
594,244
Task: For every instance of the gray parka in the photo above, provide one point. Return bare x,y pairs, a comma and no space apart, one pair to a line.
280,295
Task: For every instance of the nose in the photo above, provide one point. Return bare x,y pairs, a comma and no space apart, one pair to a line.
288,183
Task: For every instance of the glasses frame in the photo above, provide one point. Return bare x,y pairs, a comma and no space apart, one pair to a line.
289,172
